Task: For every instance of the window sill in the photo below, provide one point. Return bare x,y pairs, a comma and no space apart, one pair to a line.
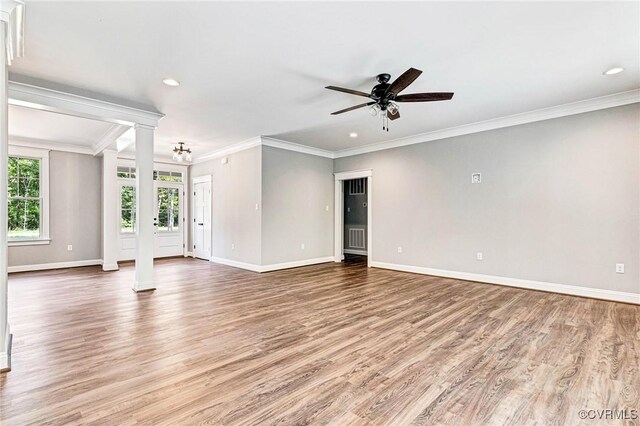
38,242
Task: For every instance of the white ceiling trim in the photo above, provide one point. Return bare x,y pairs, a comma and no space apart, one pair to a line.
45,99
51,145
609,101
109,138
249,143
588,105
12,12
290,146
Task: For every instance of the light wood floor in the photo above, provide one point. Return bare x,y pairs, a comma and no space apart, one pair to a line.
331,343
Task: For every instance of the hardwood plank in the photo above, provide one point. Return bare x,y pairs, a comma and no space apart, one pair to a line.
325,344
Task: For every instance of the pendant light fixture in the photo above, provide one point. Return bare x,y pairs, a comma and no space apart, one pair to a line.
180,153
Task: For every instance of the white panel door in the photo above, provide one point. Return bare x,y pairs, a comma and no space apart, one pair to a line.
169,225
202,220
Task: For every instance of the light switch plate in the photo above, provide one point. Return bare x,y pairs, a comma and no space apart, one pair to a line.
619,268
476,178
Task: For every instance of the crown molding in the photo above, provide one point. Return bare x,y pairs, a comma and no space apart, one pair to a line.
12,12
50,145
290,146
241,146
588,105
108,138
263,141
41,98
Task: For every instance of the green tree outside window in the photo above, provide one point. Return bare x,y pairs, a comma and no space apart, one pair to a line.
24,198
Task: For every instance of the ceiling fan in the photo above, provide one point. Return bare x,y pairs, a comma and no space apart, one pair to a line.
384,96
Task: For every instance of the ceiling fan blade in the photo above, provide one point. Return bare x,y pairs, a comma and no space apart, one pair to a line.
393,116
404,80
352,108
349,91
424,97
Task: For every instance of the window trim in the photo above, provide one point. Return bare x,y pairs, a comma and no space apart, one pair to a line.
43,156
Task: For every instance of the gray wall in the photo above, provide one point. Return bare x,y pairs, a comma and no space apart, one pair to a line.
558,202
75,212
355,212
236,189
296,191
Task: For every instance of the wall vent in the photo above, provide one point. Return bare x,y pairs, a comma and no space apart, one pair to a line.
356,238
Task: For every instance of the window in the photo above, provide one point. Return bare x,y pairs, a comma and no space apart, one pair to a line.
126,172
28,196
127,209
167,176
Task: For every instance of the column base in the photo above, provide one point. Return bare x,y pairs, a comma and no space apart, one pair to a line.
5,357
107,267
140,287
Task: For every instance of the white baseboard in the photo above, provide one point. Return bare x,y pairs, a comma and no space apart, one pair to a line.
296,264
273,267
596,293
56,265
242,265
358,252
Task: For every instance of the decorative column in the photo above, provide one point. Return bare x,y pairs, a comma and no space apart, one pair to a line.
110,210
11,31
145,209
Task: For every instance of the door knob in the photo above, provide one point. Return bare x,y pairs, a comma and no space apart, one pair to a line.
201,224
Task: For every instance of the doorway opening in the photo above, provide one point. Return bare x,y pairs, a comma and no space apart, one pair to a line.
353,225
169,218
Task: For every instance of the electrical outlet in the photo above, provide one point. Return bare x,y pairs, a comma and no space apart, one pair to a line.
69,247
233,246
302,246
479,256
619,268
326,208
476,178
348,209
257,206
399,249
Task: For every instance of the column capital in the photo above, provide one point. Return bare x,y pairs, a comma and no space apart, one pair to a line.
12,12
144,126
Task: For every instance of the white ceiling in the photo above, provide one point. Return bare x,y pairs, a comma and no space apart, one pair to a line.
251,69
32,125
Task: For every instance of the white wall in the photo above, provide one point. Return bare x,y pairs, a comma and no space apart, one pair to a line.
297,196
236,190
75,212
558,202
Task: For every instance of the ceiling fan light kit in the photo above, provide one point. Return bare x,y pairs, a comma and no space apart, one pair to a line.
385,95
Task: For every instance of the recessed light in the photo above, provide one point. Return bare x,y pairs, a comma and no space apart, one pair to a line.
353,135
171,82
613,71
